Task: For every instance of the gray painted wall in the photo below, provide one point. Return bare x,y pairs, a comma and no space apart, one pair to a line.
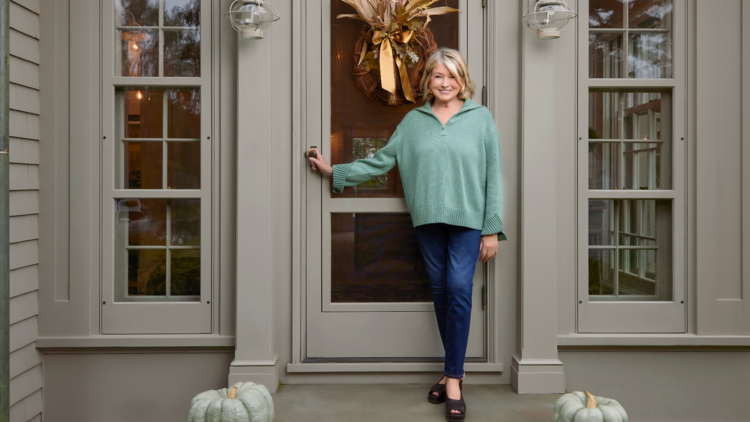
113,386
25,361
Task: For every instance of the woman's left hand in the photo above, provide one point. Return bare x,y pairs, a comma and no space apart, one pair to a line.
488,247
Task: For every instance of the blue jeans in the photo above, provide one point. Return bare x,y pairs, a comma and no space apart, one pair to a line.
450,254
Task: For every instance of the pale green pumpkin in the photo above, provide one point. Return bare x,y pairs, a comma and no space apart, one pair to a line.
243,402
583,407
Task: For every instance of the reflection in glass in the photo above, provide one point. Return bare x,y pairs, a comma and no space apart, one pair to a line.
147,274
182,13
605,55
184,165
142,112
185,274
375,257
650,13
649,55
365,148
157,248
628,115
353,115
184,112
182,53
139,52
143,162
642,165
185,222
644,250
605,14
138,12
601,222
601,271
604,158
637,274
142,221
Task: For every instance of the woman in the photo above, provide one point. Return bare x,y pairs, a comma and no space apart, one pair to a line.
448,152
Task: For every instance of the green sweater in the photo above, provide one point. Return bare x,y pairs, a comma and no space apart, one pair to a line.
451,174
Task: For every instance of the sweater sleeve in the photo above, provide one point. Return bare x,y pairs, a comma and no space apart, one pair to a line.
362,170
493,211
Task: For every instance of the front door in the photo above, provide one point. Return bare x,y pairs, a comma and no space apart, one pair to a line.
368,294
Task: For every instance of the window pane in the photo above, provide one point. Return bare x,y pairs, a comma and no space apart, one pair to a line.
604,158
650,13
185,274
182,13
601,222
605,55
375,257
182,53
141,221
157,249
185,221
644,256
143,163
353,114
139,52
605,14
147,272
601,271
605,115
184,113
184,165
138,12
650,55
142,112
642,166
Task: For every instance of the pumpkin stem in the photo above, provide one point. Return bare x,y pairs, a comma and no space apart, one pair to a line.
592,400
232,392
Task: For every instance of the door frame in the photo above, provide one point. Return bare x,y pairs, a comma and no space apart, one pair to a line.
307,131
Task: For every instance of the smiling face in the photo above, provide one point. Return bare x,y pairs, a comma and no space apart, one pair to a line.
443,84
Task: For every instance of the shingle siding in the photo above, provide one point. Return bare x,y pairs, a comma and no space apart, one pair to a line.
26,363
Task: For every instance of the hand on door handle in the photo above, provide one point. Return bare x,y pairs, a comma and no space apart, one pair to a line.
318,162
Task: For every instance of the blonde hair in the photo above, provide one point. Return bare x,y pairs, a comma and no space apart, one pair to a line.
456,64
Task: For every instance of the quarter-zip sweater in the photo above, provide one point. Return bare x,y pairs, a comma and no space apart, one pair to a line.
451,173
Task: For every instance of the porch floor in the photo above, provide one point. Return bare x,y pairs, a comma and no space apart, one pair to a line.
405,402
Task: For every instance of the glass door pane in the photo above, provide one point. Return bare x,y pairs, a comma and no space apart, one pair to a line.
375,256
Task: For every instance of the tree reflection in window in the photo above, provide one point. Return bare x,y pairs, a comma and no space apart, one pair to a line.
364,148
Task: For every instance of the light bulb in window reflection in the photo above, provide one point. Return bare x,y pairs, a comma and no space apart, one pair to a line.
644,138
135,46
139,95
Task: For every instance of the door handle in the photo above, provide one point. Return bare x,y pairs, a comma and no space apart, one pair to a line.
312,154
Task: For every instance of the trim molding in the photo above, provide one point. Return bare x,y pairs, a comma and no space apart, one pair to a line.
389,367
650,340
133,341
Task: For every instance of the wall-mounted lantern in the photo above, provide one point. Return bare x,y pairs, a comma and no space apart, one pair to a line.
548,18
252,18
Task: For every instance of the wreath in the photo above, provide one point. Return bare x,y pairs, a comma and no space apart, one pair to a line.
392,47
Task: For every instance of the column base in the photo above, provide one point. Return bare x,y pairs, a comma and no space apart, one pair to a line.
537,376
259,372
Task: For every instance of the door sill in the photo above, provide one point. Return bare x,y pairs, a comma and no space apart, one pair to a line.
391,366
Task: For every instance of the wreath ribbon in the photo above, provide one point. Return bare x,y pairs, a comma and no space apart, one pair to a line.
387,78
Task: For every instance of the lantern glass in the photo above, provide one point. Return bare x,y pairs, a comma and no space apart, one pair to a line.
252,18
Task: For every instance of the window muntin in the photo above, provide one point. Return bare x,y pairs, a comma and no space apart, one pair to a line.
158,38
629,144
630,253
157,249
158,138
642,28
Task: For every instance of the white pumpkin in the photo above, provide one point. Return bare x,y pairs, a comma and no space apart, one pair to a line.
243,402
583,407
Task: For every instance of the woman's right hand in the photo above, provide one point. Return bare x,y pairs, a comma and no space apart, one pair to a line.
319,163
